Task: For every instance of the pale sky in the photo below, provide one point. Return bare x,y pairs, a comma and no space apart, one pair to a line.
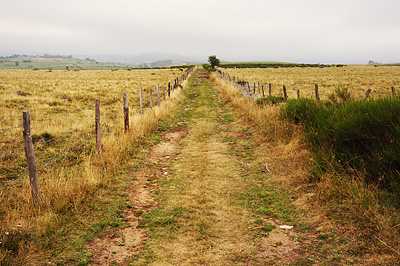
302,31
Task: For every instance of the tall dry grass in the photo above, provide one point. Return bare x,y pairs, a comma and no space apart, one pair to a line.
72,184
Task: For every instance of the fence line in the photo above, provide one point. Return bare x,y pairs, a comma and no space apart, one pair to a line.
245,87
26,126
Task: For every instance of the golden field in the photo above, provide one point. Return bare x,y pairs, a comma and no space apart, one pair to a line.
358,79
56,94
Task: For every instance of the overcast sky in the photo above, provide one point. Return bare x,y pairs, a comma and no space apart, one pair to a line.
309,31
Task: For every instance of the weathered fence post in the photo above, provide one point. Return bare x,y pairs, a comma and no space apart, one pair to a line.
254,88
262,88
284,93
298,94
393,92
141,100
151,98
317,93
169,89
366,95
270,89
30,156
126,112
158,94
97,122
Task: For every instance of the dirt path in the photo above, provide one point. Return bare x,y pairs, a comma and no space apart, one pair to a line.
201,200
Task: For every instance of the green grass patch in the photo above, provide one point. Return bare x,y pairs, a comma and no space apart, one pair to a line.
270,100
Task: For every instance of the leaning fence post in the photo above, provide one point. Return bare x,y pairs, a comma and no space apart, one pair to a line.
366,95
393,92
262,88
97,122
30,156
169,89
284,93
317,93
141,100
270,89
158,94
298,94
126,112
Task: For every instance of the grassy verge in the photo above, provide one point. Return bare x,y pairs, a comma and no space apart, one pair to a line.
365,223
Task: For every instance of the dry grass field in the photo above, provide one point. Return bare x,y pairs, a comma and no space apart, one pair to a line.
358,79
61,105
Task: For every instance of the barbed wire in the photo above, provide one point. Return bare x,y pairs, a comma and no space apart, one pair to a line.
9,128
47,141
8,155
60,157
108,129
62,135
111,114
65,154
52,118
112,101
12,182
70,113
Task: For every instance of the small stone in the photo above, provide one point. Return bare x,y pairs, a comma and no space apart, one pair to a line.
287,227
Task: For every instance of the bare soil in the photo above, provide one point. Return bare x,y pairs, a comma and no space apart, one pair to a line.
129,239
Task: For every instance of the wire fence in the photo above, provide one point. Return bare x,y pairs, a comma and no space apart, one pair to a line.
114,115
256,90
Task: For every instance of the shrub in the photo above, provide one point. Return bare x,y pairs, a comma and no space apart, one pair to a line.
341,94
360,137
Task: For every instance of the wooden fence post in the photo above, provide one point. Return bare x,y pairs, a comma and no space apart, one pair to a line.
270,89
393,92
317,93
254,88
141,100
366,95
262,88
169,89
126,112
151,98
158,94
298,94
30,157
97,122
284,93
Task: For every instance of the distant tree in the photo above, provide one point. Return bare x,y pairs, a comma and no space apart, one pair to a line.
16,63
213,60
